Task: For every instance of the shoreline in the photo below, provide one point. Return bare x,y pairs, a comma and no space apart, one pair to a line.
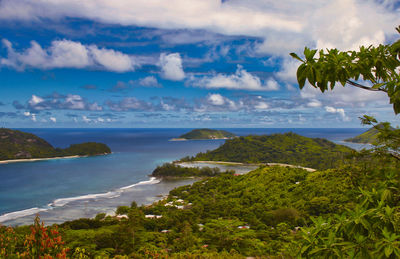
244,164
25,160
59,210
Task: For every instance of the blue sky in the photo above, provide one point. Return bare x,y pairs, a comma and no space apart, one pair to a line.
182,63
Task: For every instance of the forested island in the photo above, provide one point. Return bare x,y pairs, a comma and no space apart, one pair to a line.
289,148
15,144
199,134
368,137
170,170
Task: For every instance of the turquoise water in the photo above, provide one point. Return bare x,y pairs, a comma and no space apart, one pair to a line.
65,189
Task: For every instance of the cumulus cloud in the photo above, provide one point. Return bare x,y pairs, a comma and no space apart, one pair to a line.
149,81
171,66
67,54
216,99
241,80
53,119
59,102
32,116
339,111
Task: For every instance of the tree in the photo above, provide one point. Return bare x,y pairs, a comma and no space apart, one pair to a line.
377,66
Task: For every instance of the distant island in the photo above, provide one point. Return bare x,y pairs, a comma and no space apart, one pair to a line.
368,137
199,134
18,145
288,148
171,170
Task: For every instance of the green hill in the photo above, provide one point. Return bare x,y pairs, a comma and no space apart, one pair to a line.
15,144
287,148
207,134
370,136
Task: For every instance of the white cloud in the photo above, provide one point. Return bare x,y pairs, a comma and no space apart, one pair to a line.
67,54
86,119
314,103
241,80
339,111
288,70
31,115
216,99
112,60
35,100
61,102
261,106
149,81
53,119
284,25
171,66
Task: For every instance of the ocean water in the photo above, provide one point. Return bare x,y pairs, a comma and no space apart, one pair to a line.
65,189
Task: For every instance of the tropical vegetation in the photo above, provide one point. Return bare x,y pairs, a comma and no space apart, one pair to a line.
289,148
15,144
207,134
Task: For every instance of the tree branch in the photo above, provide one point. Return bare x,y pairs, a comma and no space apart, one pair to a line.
365,87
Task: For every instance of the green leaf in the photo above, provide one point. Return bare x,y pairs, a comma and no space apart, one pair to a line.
388,251
294,55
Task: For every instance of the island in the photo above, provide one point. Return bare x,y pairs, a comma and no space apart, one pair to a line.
288,148
202,134
16,145
172,170
368,137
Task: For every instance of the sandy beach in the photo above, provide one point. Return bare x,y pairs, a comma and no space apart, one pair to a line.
36,159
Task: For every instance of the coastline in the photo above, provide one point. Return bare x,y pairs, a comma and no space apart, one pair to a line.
89,205
25,160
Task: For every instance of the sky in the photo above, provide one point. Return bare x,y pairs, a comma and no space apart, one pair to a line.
182,63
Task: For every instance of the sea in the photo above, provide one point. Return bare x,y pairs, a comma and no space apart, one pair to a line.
65,189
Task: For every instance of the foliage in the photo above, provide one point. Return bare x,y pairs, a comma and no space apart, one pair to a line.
387,140
42,242
15,144
87,149
370,230
370,136
376,65
207,134
173,170
287,148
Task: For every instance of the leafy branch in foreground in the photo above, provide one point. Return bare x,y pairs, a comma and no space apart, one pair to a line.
378,66
388,139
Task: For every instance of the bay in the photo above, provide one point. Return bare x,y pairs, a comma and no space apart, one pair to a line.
64,189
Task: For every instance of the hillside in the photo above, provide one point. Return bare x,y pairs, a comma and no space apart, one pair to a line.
247,215
15,144
207,134
288,148
369,136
